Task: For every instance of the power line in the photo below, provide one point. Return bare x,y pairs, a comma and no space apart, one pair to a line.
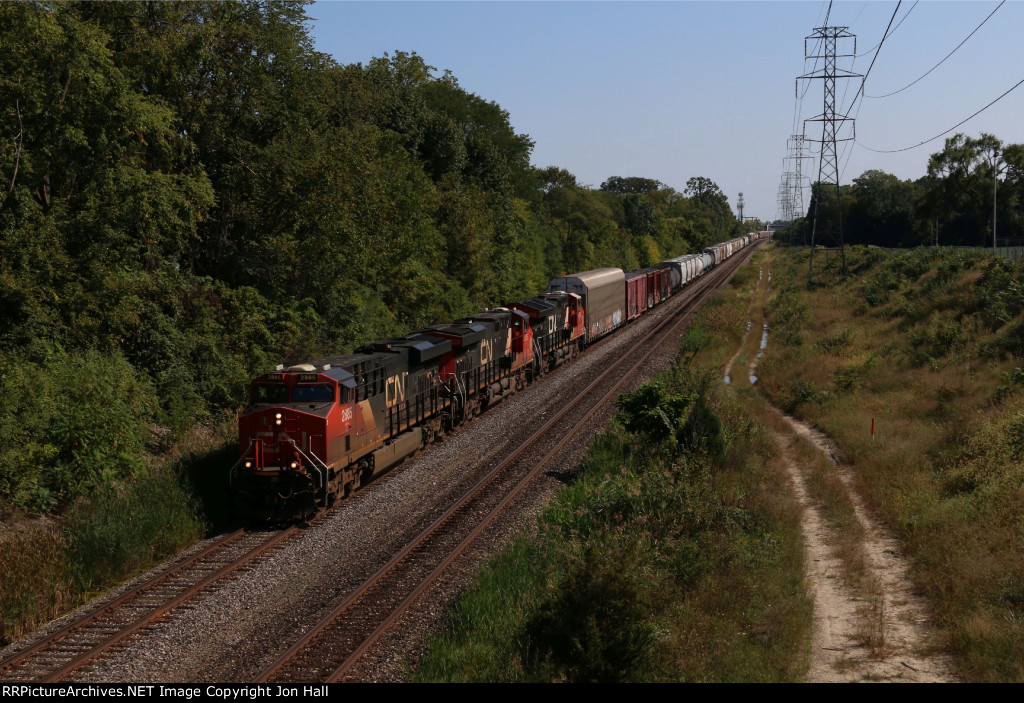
797,95
817,48
884,37
943,60
893,29
894,151
857,17
860,91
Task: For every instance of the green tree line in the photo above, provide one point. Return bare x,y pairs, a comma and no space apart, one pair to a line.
191,193
953,204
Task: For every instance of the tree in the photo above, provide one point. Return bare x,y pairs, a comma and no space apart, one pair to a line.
882,210
712,203
705,190
631,185
964,173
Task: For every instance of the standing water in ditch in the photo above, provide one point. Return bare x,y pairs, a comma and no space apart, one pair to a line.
728,367
764,343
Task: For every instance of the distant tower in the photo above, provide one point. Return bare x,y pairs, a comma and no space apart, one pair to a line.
739,204
792,183
795,176
788,210
828,165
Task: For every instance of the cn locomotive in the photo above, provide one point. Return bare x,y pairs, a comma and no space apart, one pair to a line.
313,433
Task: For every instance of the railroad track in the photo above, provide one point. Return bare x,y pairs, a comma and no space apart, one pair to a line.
341,642
82,641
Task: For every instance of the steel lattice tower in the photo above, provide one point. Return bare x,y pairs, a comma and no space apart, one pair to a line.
794,169
791,185
827,39
783,199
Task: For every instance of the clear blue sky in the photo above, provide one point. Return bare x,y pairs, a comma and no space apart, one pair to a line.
671,90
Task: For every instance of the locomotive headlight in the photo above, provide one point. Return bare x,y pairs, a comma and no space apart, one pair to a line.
248,464
294,464
277,419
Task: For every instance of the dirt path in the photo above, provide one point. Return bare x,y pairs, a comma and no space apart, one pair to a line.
880,633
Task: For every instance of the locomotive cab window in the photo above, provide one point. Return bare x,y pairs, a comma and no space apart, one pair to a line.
320,393
269,393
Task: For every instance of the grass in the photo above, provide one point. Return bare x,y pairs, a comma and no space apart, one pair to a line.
50,565
35,578
823,482
926,343
676,556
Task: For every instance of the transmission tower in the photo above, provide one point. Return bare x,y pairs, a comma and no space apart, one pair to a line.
739,204
794,168
784,199
830,231
792,183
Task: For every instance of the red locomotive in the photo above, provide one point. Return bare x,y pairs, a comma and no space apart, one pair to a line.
315,432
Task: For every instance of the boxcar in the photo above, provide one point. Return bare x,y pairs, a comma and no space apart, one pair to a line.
636,294
603,292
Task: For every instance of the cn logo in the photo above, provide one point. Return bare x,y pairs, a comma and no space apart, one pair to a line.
394,389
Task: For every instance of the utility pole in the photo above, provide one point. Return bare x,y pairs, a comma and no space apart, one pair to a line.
827,40
995,184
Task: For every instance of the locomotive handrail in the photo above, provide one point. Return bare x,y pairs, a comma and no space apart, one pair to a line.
317,463
460,386
234,467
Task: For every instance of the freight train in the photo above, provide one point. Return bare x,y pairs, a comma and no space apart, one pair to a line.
313,433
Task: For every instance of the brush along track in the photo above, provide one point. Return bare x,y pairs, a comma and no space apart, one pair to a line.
83,640
334,649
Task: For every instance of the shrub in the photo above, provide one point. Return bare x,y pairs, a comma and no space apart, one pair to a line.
702,432
595,627
128,523
835,343
653,411
1017,435
879,288
788,314
800,393
70,424
999,295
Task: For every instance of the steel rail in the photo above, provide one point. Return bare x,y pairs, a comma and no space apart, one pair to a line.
105,609
683,315
710,283
136,593
145,620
